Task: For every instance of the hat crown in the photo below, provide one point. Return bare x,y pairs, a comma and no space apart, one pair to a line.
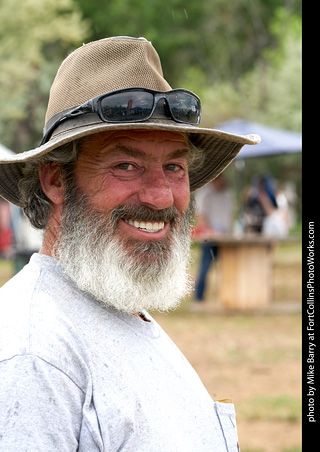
102,66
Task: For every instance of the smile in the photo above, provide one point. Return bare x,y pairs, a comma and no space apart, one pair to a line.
148,226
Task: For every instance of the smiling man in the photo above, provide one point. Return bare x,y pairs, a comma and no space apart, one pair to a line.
83,365
127,214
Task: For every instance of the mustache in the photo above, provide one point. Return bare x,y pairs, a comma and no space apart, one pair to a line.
76,201
144,213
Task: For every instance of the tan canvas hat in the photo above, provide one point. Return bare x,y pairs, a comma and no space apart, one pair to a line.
103,66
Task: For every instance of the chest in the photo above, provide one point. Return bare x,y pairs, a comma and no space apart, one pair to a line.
145,396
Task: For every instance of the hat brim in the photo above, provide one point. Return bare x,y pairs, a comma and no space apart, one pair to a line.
219,149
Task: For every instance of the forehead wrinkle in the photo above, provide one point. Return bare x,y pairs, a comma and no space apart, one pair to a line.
129,150
134,152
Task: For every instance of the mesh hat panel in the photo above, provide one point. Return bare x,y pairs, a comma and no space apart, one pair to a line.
105,66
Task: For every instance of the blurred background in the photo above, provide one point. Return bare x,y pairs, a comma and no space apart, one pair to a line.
243,59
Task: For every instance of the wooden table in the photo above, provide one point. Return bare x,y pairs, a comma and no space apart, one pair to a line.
245,268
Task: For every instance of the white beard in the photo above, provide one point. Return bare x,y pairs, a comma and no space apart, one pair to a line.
131,277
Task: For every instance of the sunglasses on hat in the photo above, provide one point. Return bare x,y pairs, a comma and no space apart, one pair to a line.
136,105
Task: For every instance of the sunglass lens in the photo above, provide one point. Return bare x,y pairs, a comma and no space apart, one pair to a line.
184,107
127,106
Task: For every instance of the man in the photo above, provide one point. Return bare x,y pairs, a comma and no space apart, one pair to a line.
84,367
215,211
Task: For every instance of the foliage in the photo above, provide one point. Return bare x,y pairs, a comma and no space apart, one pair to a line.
34,36
240,57
219,38
277,79
270,92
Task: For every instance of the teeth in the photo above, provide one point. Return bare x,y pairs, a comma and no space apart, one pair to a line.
149,226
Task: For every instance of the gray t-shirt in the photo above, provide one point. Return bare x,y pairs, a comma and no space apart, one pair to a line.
76,375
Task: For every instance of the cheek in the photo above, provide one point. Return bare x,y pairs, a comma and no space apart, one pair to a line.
181,195
95,184
114,192
107,192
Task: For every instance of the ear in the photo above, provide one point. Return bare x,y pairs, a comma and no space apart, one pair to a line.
52,182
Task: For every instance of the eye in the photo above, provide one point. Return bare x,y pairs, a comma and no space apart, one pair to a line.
125,166
174,167
126,170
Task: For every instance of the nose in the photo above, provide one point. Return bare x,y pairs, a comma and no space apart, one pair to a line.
155,190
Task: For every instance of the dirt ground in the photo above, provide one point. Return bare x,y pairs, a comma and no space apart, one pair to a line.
254,359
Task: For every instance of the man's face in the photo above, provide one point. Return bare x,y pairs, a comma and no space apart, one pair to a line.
135,168
125,229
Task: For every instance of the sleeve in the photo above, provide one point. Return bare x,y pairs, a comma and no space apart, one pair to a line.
40,407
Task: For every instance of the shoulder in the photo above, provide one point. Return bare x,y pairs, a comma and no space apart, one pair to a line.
32,322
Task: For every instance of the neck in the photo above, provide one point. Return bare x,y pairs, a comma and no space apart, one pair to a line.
50,237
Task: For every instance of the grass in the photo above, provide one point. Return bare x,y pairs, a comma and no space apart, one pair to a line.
287,272
286,284
254,359
6,271
282,408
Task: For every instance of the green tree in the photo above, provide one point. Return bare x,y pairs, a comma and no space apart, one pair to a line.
271,92
216,48
217,39
34,36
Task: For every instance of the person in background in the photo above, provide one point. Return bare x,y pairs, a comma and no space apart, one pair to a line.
266,209
214,217
6,233
27,239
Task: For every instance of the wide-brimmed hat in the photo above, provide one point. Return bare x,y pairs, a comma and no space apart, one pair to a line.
107,65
